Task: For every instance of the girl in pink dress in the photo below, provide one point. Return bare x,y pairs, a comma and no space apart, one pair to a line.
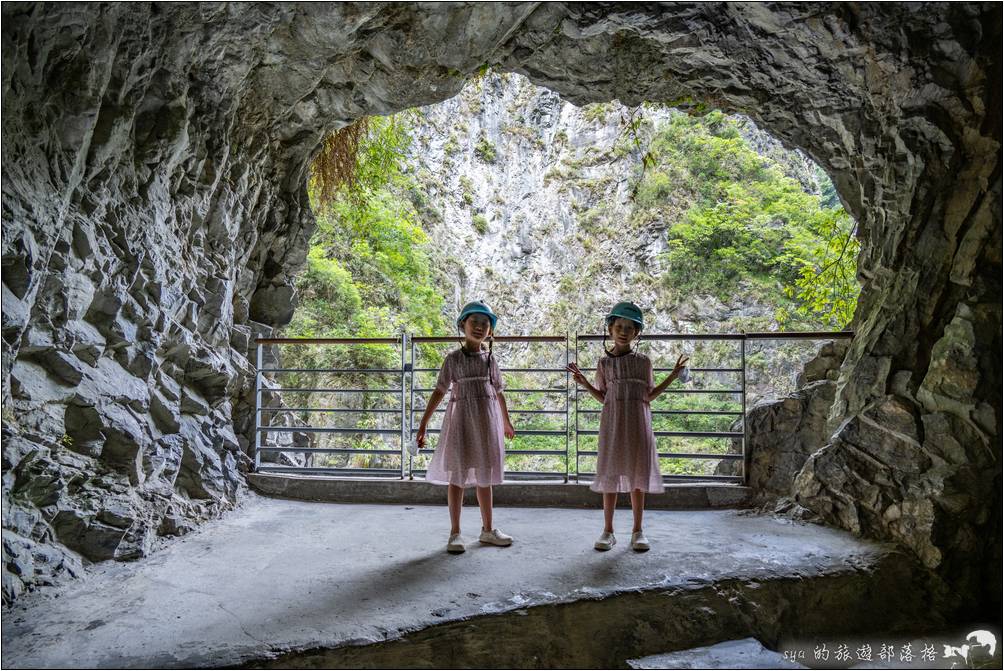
627,460
471,450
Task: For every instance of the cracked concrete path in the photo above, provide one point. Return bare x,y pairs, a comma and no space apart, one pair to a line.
280,575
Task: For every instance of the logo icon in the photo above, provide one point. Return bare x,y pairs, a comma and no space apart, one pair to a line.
981,640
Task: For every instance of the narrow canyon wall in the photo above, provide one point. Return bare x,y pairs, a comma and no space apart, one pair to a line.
155,212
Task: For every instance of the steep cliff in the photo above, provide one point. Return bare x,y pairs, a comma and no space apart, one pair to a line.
547,211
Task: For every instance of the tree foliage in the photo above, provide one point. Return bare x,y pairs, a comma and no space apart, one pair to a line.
749,221
367,272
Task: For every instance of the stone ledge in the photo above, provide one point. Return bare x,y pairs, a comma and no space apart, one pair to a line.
525,494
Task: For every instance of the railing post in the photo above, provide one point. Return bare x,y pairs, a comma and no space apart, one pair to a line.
411,409
567,426
742,360
258,432
575,391
404,439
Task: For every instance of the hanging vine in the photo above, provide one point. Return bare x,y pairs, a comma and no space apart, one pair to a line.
336,167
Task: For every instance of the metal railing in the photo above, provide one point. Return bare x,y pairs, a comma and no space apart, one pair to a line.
657,413
513,395
408,391
262,429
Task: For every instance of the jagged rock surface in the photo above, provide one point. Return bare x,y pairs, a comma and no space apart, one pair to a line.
782,433
155,213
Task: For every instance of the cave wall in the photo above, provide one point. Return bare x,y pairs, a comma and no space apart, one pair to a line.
155,213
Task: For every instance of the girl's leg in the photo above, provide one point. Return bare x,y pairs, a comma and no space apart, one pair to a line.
637,507
609,503
485,502
455,501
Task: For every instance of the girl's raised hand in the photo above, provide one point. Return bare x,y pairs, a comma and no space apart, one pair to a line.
681,363
576,373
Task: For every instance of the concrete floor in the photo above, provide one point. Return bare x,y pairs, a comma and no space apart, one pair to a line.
280,575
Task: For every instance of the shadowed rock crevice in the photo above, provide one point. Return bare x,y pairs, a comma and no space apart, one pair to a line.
155,214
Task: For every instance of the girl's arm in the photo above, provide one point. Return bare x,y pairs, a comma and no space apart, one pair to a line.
581,379
507,428
434,400
681,361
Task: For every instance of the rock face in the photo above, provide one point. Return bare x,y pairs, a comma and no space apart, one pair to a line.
527,201
155,213
783,433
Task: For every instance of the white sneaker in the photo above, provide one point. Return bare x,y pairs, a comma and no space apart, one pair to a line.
495,537
605,541
639,543
456,544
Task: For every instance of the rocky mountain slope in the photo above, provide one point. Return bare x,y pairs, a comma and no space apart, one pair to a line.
538,207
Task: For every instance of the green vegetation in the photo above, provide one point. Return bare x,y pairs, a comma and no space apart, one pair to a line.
367,275
480,223
597,112
466,190
485,150
750,224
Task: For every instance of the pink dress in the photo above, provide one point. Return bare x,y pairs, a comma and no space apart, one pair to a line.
471,448
627,458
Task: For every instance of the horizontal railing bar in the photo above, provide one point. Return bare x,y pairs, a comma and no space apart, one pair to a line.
798,335
330,470
543,475
394,410
332,370
336,391
692,370
323,429
327,341
505,391
675,455
519,432
755,335
561,370
671,336
539,432
329,450
504,370
511,410
680,434
688,391
553,453
702,370
456,339
737,413
679,476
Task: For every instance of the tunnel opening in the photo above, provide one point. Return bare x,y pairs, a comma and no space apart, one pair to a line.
550,212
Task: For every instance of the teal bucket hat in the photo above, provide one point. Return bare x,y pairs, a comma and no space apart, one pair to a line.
626,310
477,307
